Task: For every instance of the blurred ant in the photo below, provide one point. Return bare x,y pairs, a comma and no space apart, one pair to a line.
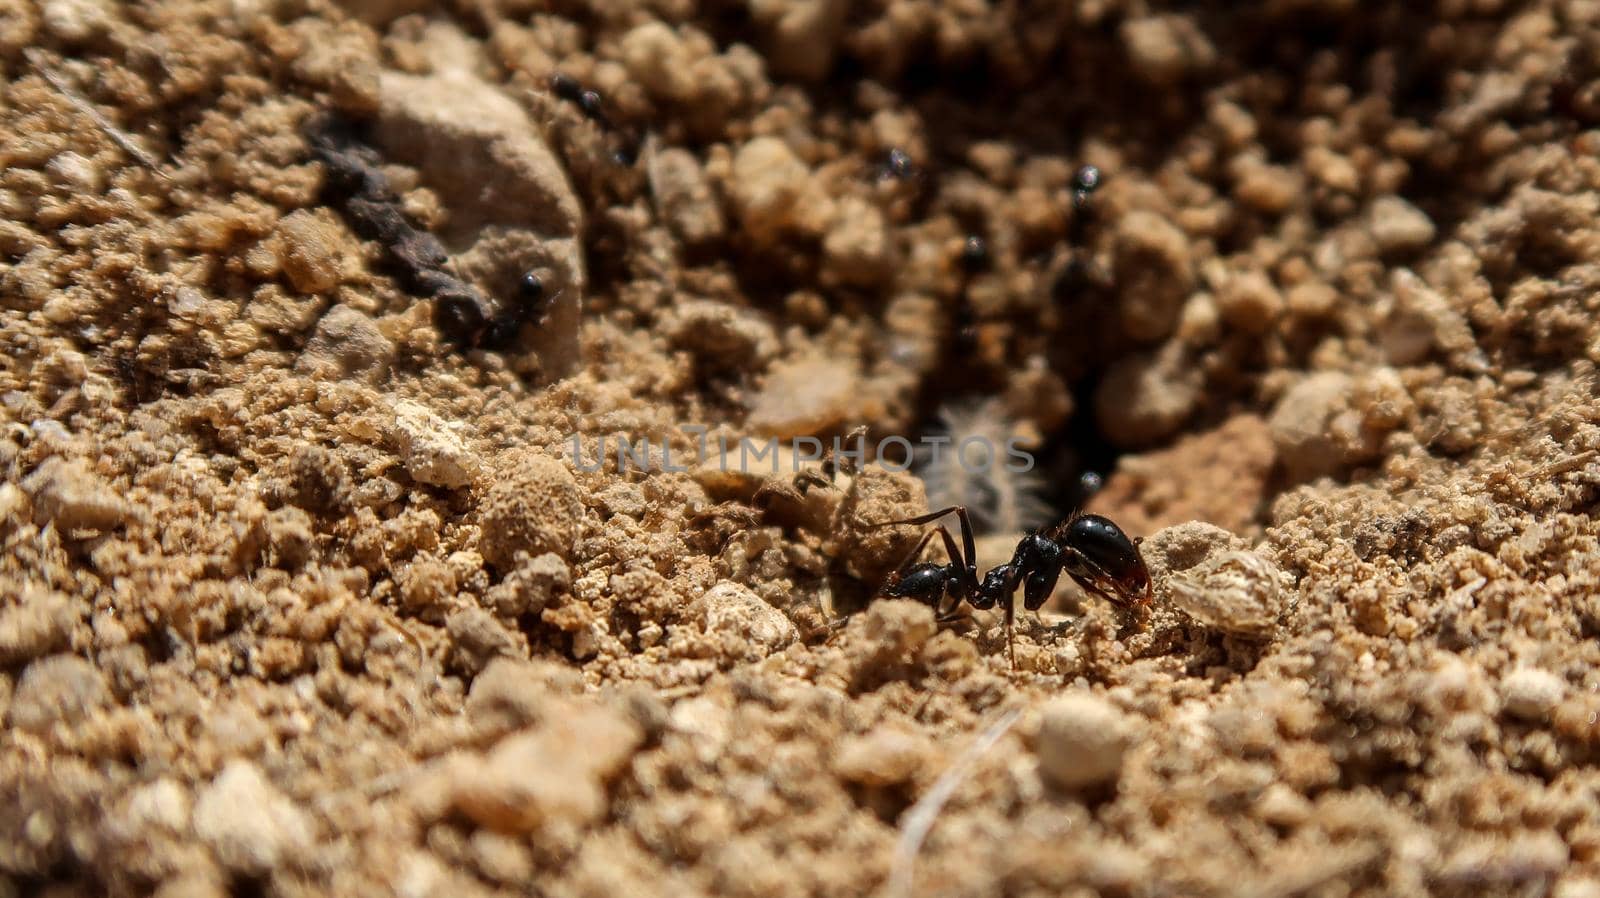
899,165
1084,184
567,88
592,105
532,304
1092,550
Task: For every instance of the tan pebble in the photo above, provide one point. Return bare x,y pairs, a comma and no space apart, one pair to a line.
883,757
1153,272
1332,170
660,61
1250,302
308,251
1165,48
72,497
856,249
768,179
1576,886
1185,546
721,334
532,586
1200,322
248,823
1270,189
77,172
683,195
477,638
342,63
431,449
350,341
533,506
554,775
1421,320
803,34
61,688
205,882
512,692
502,858
1312,299
1280,805
464,133
163,803
1082,741
39,623
1145,398
1237,124
1398,226
13,504
810,394
625,499
1536,854
75,21
426,583
1239,593
1530,693
732,609
291,536
1300,424
899,626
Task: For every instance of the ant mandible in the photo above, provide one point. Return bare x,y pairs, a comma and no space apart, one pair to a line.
1091,549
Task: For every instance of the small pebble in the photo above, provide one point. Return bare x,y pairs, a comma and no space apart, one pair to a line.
73,497
1239,593
533,506
1082,741
433,453
1398,226
249,824
1530,693
61,688
731,609
768,179
550,776
882,757
37,624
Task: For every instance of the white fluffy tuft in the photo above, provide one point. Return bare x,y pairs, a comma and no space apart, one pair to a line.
1000,500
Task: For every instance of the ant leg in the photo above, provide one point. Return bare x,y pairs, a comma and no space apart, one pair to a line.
971,547
914,554
966,585
831,464
1036,589
1011,636
928,518
969,559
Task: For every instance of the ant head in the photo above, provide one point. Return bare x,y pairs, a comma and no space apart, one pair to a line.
1105,560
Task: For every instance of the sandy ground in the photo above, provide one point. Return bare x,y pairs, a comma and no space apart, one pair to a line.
304,592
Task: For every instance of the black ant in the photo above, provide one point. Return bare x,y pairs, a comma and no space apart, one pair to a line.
592,105
1084,184
900,167
1092,550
